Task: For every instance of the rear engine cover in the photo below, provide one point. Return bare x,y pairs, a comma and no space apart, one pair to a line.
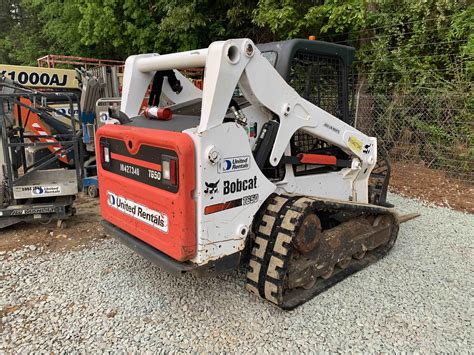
142,199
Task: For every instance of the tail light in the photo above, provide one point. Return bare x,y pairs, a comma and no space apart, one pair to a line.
106,154
105,150
170,170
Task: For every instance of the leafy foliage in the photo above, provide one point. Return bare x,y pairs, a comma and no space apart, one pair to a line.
405,48
293,18
401,43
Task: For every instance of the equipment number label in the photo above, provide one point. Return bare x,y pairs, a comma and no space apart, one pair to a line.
248,200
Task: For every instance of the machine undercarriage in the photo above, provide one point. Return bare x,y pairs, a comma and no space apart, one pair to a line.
304,245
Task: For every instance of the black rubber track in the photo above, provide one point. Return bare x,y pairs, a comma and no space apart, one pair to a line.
269,261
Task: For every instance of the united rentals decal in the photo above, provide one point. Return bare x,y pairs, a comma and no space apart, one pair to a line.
142,213
65,109
46,190
229,165
38,190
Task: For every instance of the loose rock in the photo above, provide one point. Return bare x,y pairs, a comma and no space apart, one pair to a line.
414,300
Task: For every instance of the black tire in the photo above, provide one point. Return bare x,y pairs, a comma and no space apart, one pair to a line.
92,191
61,224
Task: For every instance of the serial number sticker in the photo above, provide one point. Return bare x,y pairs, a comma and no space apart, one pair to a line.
355,144
142,213
129,169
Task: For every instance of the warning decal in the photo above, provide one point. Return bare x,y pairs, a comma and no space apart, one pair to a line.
355,144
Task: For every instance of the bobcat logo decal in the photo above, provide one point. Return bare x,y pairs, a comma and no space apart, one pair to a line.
211,188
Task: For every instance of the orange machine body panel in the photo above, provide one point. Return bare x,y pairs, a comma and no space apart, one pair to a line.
35,124
134,194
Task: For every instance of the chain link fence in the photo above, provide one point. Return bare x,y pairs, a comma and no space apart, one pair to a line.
436,130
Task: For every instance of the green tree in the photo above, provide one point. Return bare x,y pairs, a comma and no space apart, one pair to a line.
401,43
293,18
20,33
133,26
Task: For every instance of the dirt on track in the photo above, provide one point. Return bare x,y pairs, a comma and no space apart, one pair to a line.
80,230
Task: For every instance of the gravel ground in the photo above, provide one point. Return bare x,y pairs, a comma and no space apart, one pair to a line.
104,297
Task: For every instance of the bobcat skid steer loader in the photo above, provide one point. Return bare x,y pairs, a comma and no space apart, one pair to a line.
260,167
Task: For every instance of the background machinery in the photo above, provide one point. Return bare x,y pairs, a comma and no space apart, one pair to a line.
45,110
261,167
97,84
41,167
91,80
